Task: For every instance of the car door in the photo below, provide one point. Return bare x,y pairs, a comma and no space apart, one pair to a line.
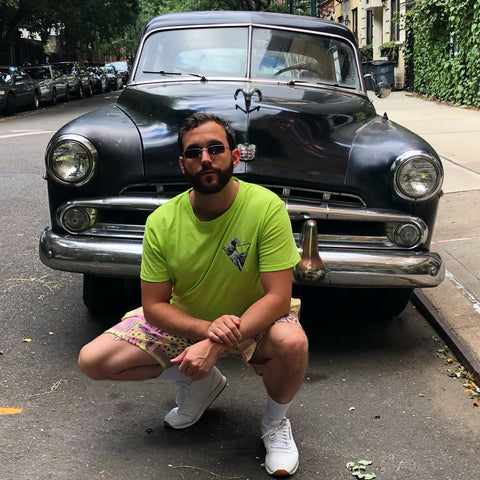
20,85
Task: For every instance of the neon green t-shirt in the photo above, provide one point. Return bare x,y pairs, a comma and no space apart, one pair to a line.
214,266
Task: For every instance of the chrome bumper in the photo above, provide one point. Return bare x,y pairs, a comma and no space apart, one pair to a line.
116,257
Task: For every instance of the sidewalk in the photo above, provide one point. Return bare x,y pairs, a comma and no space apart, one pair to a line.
454,133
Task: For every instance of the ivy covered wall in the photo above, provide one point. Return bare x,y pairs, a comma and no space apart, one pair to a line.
445,51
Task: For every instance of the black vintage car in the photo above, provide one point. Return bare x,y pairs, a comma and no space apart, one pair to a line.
361,191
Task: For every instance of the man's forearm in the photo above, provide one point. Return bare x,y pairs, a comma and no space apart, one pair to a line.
175,321
260,315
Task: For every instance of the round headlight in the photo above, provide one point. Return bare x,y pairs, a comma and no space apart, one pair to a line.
71,159
417,176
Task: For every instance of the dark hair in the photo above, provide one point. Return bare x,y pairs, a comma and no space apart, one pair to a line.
197,119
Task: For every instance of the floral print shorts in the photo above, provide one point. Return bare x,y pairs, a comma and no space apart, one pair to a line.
162,346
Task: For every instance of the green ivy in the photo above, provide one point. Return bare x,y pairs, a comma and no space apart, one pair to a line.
445,51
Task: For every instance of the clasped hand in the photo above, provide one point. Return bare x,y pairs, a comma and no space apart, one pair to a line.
198,359
226,330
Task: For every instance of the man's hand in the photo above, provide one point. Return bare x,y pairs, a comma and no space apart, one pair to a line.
198,359
225,330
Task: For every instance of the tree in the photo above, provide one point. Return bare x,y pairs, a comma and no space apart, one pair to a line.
35,16
80,25
90,24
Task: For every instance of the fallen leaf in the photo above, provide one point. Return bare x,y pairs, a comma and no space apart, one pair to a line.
26,340
476,403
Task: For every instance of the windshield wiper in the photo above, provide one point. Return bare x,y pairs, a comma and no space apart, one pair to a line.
164,72
310,82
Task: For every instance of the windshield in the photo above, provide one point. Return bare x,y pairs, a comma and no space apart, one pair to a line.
39,73
210,52
223,52
5,74
66,68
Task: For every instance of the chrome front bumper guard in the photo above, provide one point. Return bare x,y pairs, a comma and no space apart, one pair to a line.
117,257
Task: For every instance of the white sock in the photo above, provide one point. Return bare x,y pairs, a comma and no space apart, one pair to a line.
173,374
274,412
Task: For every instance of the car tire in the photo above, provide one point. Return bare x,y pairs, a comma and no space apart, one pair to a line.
80,93
36,100
106,297
67,95
89,91
54,99
377,303
11,107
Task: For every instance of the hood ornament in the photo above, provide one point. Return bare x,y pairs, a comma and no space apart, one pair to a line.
247,95
247,151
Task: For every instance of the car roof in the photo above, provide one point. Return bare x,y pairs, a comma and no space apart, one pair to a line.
219,18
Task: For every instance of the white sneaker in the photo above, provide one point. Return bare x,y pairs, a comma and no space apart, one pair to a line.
194,398
282,454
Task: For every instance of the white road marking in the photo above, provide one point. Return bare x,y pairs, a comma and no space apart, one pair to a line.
461,288
26,132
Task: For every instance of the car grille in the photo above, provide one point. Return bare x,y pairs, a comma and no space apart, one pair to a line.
343,220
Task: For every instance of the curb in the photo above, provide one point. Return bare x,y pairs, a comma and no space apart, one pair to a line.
449,333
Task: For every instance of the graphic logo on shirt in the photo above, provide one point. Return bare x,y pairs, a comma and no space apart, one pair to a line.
237,252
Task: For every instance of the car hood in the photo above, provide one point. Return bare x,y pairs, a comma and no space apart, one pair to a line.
298,131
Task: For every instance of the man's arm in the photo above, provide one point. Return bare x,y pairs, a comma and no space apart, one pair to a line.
159,312
274,304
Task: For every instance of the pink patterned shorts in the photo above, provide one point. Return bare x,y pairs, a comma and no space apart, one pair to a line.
162,346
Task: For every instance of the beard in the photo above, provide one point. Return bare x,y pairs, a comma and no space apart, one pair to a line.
211,183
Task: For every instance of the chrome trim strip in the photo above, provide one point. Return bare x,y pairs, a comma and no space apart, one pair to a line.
365,268
295,208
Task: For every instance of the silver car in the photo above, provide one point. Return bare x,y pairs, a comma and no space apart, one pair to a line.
53,84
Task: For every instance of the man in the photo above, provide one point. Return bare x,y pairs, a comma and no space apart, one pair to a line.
216,279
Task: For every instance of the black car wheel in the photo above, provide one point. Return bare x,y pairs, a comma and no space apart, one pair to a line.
54,99
80,91
377,303
110,296
11,105
67,95
36,101
89,91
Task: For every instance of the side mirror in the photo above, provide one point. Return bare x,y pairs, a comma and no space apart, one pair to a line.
381,89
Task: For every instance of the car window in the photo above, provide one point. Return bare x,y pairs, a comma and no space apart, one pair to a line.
5,74
291,55
39,73
210,52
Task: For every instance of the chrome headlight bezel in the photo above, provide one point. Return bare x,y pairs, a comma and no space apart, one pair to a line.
87,169
428,161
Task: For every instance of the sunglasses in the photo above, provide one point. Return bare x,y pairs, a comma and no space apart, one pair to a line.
212,150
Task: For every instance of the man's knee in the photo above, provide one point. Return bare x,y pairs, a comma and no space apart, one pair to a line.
291,341
90,364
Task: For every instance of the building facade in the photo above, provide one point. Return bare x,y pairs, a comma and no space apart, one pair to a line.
377,23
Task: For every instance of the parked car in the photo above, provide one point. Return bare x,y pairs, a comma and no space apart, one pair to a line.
361,191
98,79
121,68
4,91
78,78
20,89
114,79
53,85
